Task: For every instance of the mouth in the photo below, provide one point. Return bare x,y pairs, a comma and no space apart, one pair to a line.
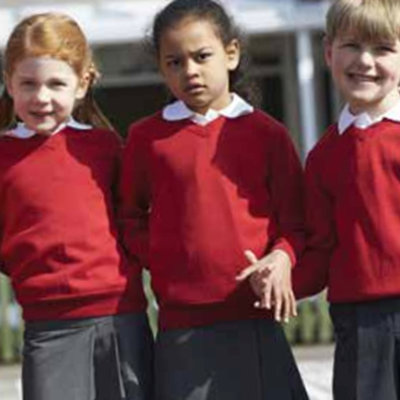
194,88
41,114
362,77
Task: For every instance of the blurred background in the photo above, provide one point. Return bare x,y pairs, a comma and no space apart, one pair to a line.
285,44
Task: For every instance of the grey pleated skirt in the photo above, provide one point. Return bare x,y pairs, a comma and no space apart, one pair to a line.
105,358
241,360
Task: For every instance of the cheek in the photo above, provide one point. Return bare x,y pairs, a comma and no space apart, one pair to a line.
395,69
338,65
172,81
21,110
65,98
19,102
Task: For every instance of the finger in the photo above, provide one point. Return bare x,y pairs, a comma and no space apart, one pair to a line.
268,294
278,305
287,308
259,304
251,257
260,292
293,304
256,284
247,272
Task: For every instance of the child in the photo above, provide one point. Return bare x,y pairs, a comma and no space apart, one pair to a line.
204,180
87,335
353,198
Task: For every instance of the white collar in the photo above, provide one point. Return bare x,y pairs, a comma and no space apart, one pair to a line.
22,132
178,111
363,120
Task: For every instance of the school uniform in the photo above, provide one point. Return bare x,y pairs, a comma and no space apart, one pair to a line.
81,299
353,219
217,184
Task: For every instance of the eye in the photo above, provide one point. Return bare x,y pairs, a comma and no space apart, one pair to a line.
203,56
27,83
57,83
385,48
351,45
173,62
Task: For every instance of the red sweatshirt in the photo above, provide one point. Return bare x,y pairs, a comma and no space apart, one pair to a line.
58,239
353,215
195,197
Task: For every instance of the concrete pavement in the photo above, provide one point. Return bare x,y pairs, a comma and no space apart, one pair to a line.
10,382
315,365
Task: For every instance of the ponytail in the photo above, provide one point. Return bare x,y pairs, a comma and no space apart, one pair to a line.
7,114
87,110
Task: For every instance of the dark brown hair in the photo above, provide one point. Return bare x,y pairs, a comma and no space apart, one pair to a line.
226,29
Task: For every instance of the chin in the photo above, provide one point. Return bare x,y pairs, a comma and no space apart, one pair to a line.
198,107
45,129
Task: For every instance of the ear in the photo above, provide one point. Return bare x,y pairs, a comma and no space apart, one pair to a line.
232,51
83,87
328,51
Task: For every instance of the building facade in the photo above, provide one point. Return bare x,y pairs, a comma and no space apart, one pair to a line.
285,44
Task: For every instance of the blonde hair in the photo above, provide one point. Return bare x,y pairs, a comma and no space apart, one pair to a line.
368,20
57,36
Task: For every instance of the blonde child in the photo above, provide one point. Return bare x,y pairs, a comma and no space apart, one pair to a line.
353,197
204,180
86,332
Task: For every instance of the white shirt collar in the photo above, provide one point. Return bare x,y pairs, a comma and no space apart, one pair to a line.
22,132
363,120
178,111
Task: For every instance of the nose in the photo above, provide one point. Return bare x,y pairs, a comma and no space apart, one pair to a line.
191,68
42,94
366,57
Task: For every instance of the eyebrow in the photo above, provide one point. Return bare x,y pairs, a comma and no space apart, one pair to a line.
206,48
25,76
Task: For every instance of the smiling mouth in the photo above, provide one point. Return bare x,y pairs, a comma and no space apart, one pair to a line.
362,78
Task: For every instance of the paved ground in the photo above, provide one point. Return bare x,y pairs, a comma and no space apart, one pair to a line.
315,365
10,383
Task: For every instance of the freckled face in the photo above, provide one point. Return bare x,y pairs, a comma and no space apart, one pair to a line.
196,64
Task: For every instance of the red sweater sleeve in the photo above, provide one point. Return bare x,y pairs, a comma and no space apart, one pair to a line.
311,275
286,188
134,199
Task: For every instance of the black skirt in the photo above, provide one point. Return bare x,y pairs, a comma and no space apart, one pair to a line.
241,360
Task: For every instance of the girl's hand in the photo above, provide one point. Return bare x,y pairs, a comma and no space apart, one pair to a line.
270,278
267,263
